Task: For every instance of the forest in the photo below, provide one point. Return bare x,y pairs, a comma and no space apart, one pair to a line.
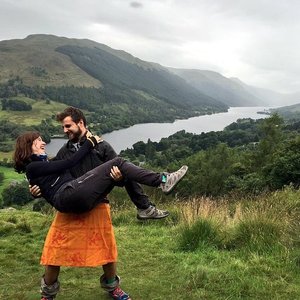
112,107
249,157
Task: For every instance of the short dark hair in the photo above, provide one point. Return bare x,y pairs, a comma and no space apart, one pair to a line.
23,150
75,113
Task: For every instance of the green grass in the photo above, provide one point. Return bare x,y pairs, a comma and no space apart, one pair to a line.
246,249
6,155
40,111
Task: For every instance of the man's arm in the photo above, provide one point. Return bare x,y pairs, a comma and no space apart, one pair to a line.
105,151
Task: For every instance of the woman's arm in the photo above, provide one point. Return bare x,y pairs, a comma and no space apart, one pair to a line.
40,168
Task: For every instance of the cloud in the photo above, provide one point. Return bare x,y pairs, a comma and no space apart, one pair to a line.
136,4
256,41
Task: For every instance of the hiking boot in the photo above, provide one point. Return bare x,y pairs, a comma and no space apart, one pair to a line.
151,213
170,180
119,294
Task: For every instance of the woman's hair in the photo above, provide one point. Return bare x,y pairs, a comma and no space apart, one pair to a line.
23,150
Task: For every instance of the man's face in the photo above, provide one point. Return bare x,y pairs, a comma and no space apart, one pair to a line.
73,130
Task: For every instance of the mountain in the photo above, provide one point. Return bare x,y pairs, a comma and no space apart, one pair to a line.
290,113
219,87
269,96
51,61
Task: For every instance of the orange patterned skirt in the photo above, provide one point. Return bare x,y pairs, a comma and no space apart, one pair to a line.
81,240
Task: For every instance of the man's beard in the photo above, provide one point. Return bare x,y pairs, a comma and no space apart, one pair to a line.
75,136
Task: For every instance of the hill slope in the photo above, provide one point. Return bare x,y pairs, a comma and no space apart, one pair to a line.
221,249
219,87
269,96
48,60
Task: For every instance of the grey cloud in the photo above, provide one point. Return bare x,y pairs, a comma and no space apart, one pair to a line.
260,36
135,4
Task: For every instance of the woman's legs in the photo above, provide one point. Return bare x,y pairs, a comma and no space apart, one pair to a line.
166,181
84,193
110,282
51,274
50,283
110,270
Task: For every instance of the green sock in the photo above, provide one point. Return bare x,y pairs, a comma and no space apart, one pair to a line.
163,178
110,280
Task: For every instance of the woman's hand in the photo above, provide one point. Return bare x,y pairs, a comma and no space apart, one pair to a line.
94,139
35,191
116,174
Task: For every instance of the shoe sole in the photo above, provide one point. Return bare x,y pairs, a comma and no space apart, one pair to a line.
169,191
151,218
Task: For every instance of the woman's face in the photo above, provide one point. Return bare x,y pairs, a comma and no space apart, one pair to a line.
38,146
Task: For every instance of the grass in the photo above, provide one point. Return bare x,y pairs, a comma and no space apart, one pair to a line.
6,155
40,111
244,249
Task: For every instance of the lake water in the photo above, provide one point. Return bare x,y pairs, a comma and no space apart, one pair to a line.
125,138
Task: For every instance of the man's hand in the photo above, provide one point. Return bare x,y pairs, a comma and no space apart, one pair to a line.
35,191
116,174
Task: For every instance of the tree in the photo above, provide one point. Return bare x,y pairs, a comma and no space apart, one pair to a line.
209,171
17,193
149,151
271,130
15,105
1,178
285,167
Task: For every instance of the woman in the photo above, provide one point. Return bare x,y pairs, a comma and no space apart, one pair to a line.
68,194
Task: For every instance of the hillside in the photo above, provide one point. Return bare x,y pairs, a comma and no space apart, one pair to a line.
205,249
47,60
291,113
35,60
20,57
219,87
271,97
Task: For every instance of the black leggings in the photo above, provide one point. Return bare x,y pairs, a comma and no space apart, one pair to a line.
84,193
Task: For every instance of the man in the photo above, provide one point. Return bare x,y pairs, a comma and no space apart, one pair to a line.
74,125
54,253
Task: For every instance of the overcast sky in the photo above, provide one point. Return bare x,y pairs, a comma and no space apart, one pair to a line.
254,40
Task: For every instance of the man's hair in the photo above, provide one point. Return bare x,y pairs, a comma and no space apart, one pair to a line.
75,113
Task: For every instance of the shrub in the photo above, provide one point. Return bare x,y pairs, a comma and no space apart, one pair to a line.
15,105
6,228
42,206
1,177
12,219
24,227
256,235
17,193
202,233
